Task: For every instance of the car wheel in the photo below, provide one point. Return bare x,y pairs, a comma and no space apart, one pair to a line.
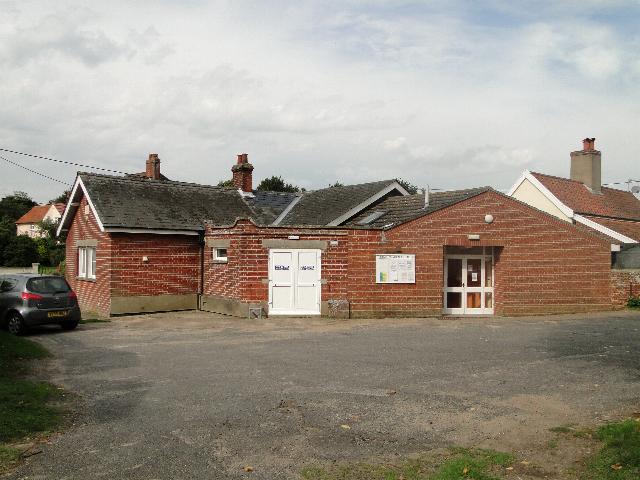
15,324
69,325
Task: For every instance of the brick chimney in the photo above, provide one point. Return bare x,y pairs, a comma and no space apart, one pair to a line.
242,176
586,165
153,167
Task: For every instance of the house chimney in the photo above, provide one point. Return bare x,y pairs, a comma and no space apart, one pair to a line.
586,165
242,176
153,167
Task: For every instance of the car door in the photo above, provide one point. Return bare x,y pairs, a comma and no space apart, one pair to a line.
6,295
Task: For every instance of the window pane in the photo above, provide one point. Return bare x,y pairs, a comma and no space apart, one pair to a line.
82,262
488,272
47,285
473,272
473,300
454,300
454,272
488,300
92,263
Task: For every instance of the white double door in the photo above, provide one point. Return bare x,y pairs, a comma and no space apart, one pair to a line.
294,282
468,284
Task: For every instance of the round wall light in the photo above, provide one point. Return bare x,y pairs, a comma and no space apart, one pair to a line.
488,218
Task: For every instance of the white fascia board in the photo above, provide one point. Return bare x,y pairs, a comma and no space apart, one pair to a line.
522,178
544,190
358,208
72,201
286,211
147,230
602,229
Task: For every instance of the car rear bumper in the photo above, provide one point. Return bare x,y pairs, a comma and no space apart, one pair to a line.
59,315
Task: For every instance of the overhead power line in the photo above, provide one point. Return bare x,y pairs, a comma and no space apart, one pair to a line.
33,171
62,161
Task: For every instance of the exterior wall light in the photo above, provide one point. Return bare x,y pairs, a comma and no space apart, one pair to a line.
488,218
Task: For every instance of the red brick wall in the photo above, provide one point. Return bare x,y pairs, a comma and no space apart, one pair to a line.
173,265
241,278
624,284
93,296
544,265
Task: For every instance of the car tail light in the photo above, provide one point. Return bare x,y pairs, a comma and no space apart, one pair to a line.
31,296
72,294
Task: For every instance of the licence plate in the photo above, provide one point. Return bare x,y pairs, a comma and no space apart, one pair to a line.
62,313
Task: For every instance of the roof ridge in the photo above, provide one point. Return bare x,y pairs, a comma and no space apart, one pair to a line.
151,181
579,182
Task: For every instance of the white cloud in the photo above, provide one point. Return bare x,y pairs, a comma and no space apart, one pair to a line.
446,93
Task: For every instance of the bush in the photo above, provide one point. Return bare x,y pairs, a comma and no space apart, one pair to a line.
634,302
20,251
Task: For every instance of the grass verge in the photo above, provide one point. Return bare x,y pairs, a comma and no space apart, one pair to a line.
619,458
472,464
25,405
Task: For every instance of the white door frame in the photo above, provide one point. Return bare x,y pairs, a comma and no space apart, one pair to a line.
464,289
295,283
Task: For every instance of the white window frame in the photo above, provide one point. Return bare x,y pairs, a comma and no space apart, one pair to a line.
217,257
87,263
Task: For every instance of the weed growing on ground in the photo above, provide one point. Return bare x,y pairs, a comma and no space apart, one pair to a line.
462,463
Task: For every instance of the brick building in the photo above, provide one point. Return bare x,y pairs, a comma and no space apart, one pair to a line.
144,243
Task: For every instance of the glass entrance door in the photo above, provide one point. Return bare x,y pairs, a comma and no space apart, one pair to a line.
468,284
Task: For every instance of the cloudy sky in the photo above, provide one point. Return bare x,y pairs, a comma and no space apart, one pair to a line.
446,93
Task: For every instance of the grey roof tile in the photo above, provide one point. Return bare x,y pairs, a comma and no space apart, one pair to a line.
320,207
131,202
269,205
397,210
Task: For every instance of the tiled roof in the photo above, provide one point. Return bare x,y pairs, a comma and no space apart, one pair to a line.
60,207
35,215
575,195
269,205
320,207
132,202
397,210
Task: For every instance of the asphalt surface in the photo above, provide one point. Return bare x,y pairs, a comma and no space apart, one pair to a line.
192,395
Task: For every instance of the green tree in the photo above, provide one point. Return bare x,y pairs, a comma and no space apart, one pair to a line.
277,184
16,205
337,184
408,186
62,198
20,251
226,183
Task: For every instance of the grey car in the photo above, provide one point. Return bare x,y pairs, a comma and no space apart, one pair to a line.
29,300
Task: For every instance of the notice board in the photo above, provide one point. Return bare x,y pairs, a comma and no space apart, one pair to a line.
396,268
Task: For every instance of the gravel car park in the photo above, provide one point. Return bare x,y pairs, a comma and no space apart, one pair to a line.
194,395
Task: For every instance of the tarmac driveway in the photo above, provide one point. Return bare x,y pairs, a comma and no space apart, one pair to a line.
193,395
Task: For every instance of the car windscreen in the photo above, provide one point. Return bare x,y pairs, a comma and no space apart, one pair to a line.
48,285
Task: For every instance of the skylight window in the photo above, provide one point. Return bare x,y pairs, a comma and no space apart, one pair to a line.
371,217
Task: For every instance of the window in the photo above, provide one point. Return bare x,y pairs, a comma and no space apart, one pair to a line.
87,262
220,254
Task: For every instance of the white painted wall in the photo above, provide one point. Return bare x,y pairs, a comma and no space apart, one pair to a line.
529,194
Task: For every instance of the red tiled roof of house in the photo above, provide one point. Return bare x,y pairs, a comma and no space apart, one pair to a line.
575,195
35,215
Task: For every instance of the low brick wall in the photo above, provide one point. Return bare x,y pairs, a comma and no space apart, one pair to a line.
624,284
